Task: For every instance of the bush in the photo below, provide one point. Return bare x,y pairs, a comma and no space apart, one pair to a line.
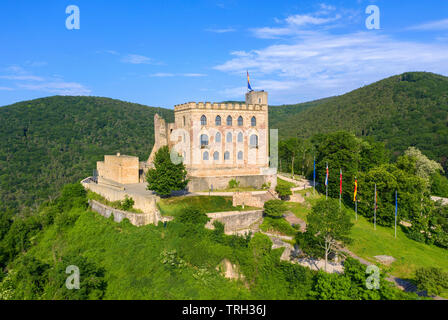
274,208
233,184
283,190
127,204
439,185
433,280
193,216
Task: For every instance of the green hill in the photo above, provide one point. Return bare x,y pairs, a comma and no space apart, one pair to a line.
404,110
46,143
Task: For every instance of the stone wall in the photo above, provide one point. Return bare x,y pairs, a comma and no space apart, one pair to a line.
219,183
235,220
119,168
250,199
148,204
137,219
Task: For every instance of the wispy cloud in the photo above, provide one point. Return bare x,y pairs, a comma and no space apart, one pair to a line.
166,74
23,79
136,59
430,26
316,65
58,87
222,30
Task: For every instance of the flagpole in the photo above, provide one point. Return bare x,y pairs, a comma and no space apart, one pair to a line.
356,199
396,211
314,174
326,184
374,210
340,187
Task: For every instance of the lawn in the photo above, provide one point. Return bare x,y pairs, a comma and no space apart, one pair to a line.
409,254
175,205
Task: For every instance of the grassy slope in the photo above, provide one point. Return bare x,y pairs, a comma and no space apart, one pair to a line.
368,243
114,245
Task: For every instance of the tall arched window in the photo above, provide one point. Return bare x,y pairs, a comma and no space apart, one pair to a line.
229,137
240,155
227,155
240,137
240,121
218,120
216,155
229,120
254,141
204,140
253,121
205,156
218,137
203,120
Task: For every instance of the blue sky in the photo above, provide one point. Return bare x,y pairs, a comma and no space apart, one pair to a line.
162,53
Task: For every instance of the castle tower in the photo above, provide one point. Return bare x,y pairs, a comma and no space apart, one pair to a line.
257,97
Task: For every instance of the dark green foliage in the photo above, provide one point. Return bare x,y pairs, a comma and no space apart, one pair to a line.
439,185
433,280
233,184
275,208
283,190
72,196
92,284
46,143
128,203
193,217
166,177
396,111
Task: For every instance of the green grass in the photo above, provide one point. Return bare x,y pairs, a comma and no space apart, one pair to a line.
289,184
236,189
277,225
409,254
174,206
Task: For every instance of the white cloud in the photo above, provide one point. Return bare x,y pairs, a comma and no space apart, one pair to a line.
59,88
22,78
164,74
193,75
430,26
6,89
136,59
320,64
223,30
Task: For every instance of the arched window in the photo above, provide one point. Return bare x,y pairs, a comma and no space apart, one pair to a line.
240,155
229,120
205,156
240,137
218,137
204,140
229,137
227,155
253,121
216,155
218,120
240,121
253,141
203,120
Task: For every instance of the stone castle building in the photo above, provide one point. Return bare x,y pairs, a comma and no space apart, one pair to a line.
216,142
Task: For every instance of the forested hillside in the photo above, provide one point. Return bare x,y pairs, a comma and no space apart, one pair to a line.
404,110
46,143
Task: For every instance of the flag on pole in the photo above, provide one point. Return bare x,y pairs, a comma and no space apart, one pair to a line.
248,82
326,177
356,190
340,182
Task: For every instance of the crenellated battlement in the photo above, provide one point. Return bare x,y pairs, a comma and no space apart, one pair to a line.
220,106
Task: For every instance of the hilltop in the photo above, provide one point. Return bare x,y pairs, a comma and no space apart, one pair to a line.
46,143
410,109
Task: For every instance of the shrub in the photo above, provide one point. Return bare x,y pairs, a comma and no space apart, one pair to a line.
274,208
233,184
433,280
127,204
283,190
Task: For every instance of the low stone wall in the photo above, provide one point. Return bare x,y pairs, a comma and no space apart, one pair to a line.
235,220
197,184
145,203
137,219
252,199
